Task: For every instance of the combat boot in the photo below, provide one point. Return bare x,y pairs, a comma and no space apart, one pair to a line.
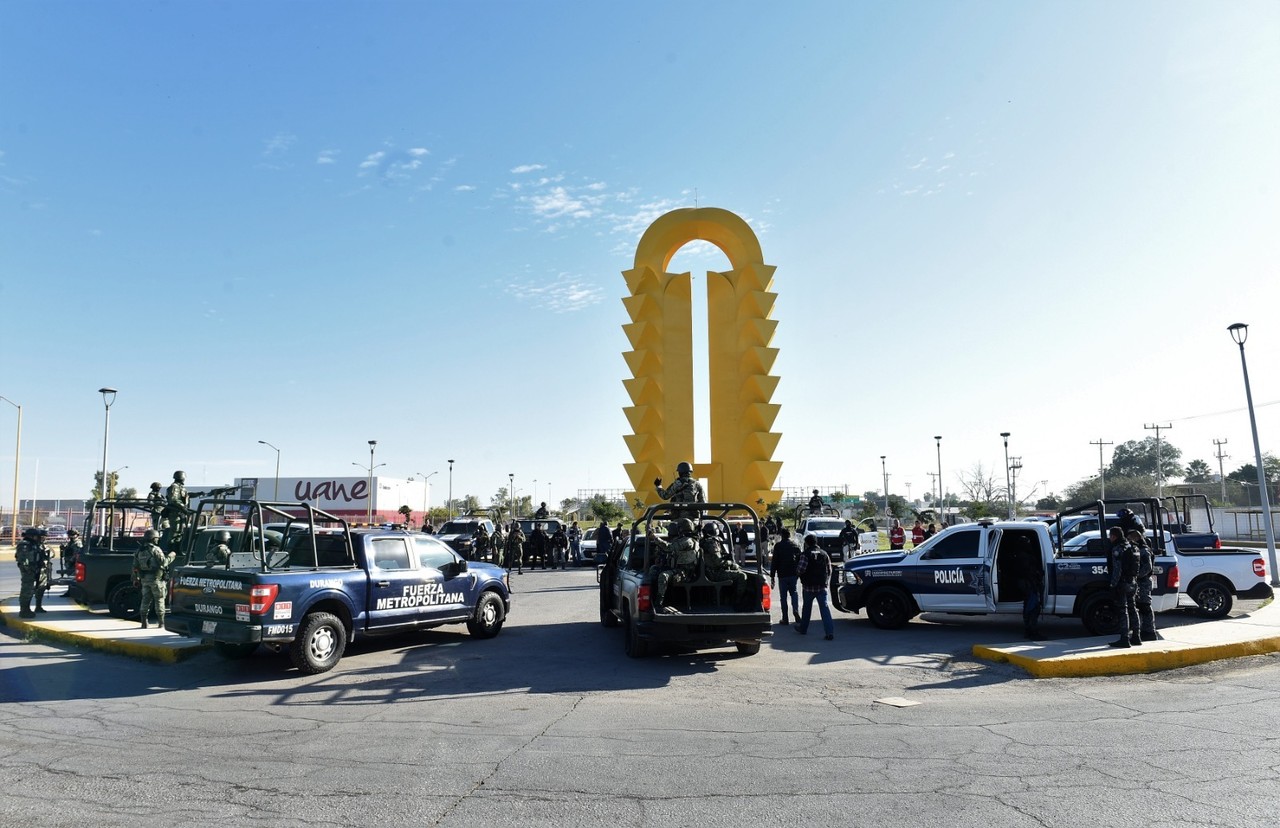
25,610
1135,639
144,622
40,602
1150,635
1120,642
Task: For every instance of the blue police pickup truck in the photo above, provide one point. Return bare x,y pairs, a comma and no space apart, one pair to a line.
968,569
326,584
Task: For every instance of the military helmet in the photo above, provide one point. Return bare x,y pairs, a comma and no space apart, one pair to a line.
156,486
684,468
709,530
72,533
29,533
151,536
683,526
224,536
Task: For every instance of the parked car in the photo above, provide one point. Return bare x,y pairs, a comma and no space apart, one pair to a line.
588,546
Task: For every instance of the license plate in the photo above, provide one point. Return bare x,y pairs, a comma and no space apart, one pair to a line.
209,626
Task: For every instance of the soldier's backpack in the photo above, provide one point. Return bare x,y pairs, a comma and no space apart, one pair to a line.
1130,562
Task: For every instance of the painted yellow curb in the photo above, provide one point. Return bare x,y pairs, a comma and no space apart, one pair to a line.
135,649
1145,658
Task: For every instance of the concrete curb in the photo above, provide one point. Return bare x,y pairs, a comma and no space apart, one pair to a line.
99,631
1255,634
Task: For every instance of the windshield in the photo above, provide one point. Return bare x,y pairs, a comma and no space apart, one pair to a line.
454,527
824,526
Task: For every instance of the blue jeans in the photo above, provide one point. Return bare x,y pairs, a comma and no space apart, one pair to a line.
828,626
787,589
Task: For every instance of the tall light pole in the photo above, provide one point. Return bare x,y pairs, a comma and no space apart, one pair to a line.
1102,469
1240,332
108,399
275,496
426,495
1221,455
17,464
942,499
372,444
1008,483
1015,466
511,495
449,505
884,470
1159,456
113,478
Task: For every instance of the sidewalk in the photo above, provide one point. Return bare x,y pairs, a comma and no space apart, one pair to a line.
69,623
1255,634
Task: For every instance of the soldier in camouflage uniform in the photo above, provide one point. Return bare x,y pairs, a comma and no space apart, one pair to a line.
34,562
718,565
150,568
677,560
155,504
177,508
515,548
498,542
480,551
219,555
70,552
684,490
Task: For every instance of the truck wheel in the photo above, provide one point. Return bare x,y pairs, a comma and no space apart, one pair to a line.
1101,614
748,647
124,600
632,643
228,650
1213,599
320,643
888,608
487,622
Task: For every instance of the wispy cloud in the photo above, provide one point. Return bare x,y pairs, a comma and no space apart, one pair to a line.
464,188
527,168
278,144
393,166
327,157
564,293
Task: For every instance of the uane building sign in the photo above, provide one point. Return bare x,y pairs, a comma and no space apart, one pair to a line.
346,497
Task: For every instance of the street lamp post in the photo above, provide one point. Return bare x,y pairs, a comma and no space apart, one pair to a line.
884,470
426,495
1008,484
276,495
942,500
113,480
1240,332
511,495
449,505
108,399
17,464
372,445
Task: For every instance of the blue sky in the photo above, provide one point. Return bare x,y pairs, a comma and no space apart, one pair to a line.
322,223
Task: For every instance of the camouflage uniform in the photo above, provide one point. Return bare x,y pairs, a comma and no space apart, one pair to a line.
150,568
480,551
34,562
684,490
177,508
498,542
717,566
155,504
218,555
678,560
70,552
515,548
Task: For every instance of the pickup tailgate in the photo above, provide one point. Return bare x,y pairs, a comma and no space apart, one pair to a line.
217,605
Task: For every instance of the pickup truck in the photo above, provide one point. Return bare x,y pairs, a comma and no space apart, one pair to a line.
700,613
1215,577
330,585
825,528
113,532
964,569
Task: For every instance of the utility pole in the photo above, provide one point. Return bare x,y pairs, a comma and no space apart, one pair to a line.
1015,466
1159,457
1222,477
937,504
1102,472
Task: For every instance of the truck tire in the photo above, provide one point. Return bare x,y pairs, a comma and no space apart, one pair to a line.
320,643
889,608
234,652
1213,598
1101,614
632,643
489,616
123,601
748,648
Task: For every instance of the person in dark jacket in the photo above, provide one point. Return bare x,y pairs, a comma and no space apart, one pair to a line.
814,569
782,567
849,539
604,540
1028,574
1122,565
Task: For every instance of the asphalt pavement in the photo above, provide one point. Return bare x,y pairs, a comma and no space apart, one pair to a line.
1255,631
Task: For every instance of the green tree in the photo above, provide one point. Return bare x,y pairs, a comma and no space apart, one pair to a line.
603,509
1198,471
96,492
1135,458
1090,490
407,512
1049,503
1249,472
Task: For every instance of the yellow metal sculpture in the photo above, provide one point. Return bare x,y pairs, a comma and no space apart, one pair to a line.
739,330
